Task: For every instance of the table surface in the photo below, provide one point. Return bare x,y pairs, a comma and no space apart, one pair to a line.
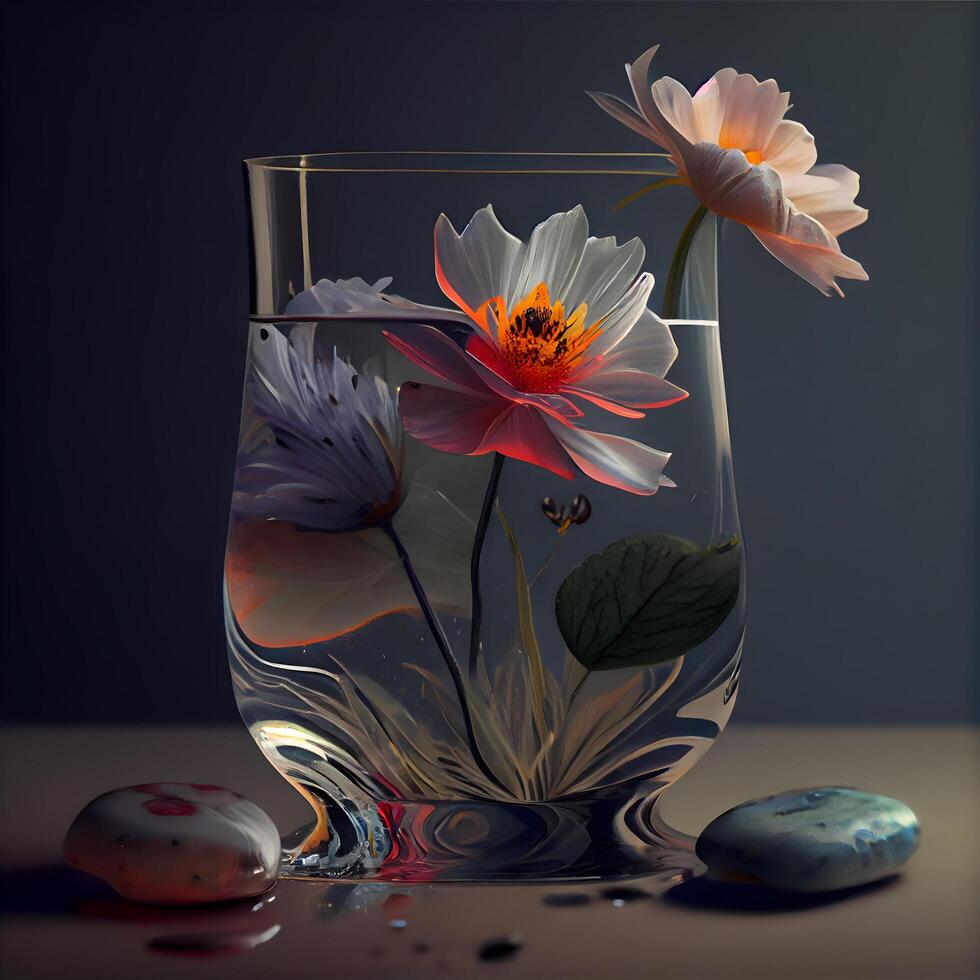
923,924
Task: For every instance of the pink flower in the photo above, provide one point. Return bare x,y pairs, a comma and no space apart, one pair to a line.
563,316
746,162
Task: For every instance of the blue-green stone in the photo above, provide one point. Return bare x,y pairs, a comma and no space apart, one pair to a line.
811,840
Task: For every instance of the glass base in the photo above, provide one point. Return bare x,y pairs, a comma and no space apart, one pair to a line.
480,841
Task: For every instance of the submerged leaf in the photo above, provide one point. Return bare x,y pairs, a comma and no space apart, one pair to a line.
644,601
290,588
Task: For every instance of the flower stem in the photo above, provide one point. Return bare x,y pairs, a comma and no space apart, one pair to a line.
670,180
554,551
675,277
442,641
476,617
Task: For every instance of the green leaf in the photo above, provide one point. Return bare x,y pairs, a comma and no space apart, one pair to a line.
646,600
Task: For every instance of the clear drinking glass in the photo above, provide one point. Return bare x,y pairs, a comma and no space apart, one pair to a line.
460,622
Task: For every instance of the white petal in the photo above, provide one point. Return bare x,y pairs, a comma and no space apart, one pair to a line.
649,346
552,256
622,317
603,275
613,460
625,113
342,296
827,193
479,264
791,150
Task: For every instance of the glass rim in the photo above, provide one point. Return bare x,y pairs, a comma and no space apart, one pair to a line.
580,163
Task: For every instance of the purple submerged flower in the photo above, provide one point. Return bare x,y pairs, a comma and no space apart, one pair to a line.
329,452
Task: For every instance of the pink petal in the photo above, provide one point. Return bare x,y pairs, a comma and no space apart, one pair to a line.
638,74
494,369
674,111
827,193
751,110
523,433
448,419
613,460
726,183
730,186
433,351
466,423
634,389
791,150
708,111
606,404
819,263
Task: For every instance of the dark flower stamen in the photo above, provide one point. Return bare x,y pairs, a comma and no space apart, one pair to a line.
578,512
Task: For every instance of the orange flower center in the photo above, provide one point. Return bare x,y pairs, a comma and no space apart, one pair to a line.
729,141
541,345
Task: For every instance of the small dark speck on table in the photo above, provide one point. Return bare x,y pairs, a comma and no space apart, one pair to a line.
500,949
566,900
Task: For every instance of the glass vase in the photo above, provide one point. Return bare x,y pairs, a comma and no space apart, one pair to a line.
475,614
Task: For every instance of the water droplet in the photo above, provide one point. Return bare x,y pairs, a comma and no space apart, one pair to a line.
622,896
212,943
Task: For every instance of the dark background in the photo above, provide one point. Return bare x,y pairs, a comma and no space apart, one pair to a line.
125,297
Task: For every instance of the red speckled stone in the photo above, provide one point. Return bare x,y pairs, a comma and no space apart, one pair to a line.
176,843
